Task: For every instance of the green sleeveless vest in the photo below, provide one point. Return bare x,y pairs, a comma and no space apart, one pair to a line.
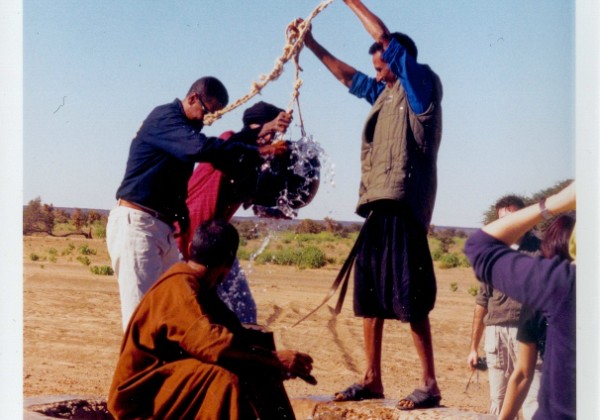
399,152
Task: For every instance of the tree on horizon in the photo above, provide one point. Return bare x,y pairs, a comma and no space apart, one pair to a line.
490,215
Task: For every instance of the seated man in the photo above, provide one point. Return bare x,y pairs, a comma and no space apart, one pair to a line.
185,353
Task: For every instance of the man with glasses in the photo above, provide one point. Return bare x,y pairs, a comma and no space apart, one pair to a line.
151,197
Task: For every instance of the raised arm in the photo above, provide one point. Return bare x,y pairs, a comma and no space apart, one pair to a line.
510,228
374,26
342,71
538,282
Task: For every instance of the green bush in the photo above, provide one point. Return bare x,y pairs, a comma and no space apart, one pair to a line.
464,261
449,261
68,250
264,257
287,256
102,270
34,257
320,237
99,229
312,257
86,250
436,254
243,254
454,286
84,260
302,257
473,290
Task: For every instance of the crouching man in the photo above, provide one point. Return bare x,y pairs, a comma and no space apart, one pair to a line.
186,355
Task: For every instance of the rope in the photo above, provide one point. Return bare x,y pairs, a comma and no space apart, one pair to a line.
342,277
295,33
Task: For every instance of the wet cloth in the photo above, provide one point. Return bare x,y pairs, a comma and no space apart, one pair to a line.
172,362
393,275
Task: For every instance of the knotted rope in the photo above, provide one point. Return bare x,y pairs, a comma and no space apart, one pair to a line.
295,33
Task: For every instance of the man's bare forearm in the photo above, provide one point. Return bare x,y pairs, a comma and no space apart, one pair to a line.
374,26
342,71
478,326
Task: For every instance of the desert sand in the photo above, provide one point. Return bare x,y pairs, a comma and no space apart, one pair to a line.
72,332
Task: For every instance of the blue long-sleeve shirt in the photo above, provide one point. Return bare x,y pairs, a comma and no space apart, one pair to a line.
416,79
162,156
547,285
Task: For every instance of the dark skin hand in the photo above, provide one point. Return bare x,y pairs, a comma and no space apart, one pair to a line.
276,148
278,125
296,364
269,130
291,363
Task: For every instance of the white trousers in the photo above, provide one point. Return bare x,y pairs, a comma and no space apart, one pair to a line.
141,249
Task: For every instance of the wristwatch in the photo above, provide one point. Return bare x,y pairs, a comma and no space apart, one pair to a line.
543,210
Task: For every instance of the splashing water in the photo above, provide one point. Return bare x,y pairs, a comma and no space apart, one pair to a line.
289,182
235,292
306,157
260,250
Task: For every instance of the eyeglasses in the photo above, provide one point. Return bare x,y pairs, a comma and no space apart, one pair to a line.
205,109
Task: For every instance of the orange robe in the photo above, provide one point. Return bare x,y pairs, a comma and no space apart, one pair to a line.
172,366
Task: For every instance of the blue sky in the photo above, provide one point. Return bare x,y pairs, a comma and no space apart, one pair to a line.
93,70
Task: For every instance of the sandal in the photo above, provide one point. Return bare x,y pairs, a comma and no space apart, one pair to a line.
357,392
420,399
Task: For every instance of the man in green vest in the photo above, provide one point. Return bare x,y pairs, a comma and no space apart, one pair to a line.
394,277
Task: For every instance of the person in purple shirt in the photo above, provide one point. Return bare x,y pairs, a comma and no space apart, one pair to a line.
393,271
546,285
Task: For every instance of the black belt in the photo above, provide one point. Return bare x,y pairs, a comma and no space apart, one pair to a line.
147,210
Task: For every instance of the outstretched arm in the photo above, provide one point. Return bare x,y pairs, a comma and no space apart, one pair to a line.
538,282
510,228
342,71
374,26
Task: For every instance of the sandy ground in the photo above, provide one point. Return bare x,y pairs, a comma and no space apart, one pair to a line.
72,331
